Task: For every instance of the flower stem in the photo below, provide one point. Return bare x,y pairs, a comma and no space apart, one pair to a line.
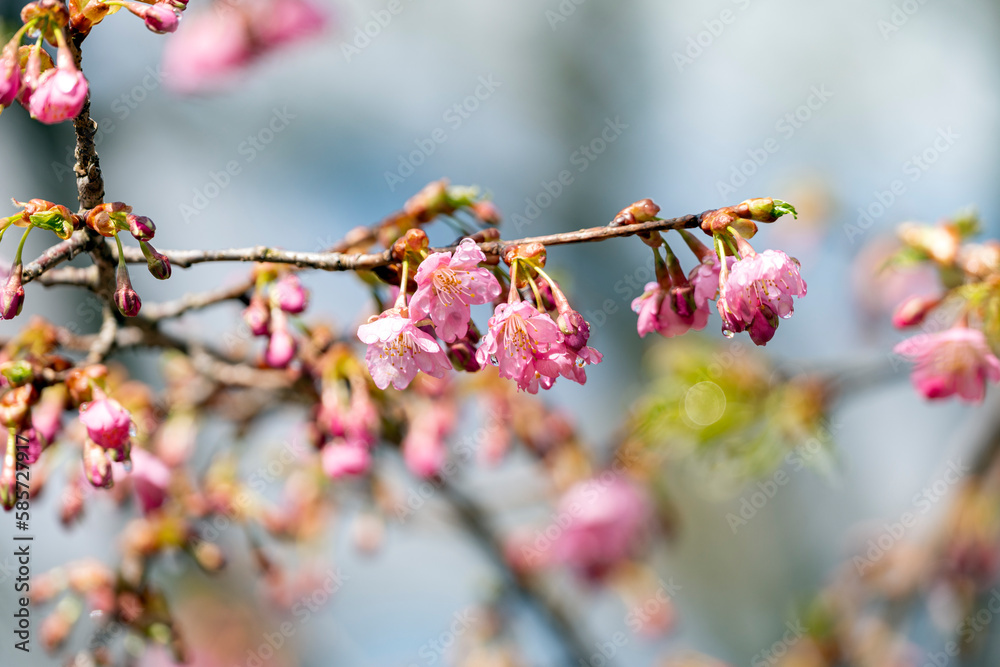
20,246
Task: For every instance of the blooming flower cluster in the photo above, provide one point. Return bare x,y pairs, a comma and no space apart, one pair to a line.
753,289
55,91
960,359
215,45
523,340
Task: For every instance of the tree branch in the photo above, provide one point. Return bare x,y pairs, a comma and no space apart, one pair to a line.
475,521
338,261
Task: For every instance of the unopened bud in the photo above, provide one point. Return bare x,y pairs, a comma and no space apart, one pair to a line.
643,210
289,295
140,227
912,312
96,465
413,241
126,298
81,382
257,315
156,262
716,222
12,298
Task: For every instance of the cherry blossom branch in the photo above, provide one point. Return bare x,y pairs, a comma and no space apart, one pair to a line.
195,301
338,261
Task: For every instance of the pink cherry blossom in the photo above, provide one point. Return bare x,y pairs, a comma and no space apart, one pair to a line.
954,361
517,333
279,22
345,459
397,349
207,50
150,478
281,348
447,284
160,17
757,291
424,447
604,518
60,92
96,465
30,443
10,75
108,425
289,295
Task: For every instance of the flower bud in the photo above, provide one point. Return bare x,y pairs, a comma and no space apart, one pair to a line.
55,218
96,465
281,346
575,329
715,222
14,405
941,243
643,210
257,316
10,74
140,227
60,92
126,299
487,212
156,262
462,353
81,381
160,17
412,242
109,425
12,298
106,219
289,295
912,312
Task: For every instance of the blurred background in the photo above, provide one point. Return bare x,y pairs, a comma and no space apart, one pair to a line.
699,105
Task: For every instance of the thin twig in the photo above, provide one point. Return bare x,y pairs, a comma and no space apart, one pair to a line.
337,261
475,521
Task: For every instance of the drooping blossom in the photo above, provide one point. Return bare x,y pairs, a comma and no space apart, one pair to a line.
517,333
446,286
150,478
604,518
756,291
281,345
207,50
159,17
424,447
31,444
340,459
213,46
289,294
96,465
954,361
674,310
108,424
60,92
10,75
12,296
257,315
555,360
397,349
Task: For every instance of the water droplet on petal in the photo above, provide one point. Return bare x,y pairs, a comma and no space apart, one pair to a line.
127,465
132,430
727,333
97,613
786,316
